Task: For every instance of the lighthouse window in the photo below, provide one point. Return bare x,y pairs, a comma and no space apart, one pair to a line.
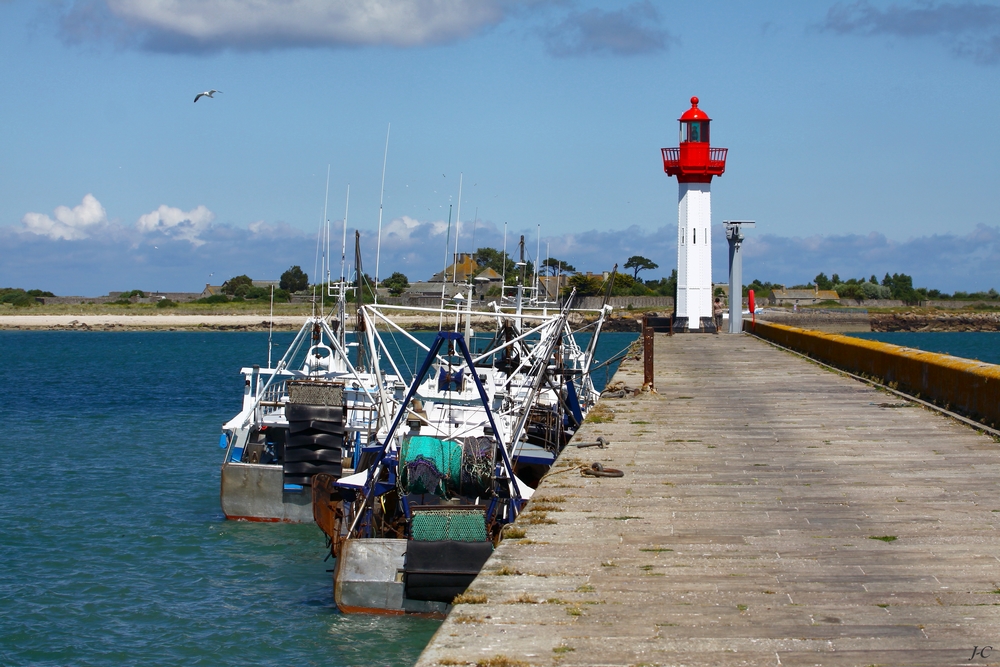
694,130
694,236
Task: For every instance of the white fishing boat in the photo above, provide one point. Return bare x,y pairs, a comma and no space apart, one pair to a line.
474,432
313,412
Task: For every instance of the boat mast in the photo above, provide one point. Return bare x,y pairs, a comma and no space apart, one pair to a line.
381,197
270,327
503,271
359,327
342,297
458,230
538,253
444,269
520,277
326,253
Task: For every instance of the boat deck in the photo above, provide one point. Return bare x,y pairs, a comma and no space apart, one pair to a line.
771,512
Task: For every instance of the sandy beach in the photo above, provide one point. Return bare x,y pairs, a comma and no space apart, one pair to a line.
250,322
169,322
147,322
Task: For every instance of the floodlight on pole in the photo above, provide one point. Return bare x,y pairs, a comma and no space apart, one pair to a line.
734,235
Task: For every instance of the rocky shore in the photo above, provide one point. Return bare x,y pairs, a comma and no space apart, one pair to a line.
942,321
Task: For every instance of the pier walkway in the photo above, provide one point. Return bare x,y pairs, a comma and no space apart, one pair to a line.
772,512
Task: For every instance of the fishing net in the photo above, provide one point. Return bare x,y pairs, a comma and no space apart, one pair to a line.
443,467
461,525
477,465
427,464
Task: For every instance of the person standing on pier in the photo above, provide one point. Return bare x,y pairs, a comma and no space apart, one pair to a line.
717,312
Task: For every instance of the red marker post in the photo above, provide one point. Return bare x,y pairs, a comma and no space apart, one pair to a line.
753,309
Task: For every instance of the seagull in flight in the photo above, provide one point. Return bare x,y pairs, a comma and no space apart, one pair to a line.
207,93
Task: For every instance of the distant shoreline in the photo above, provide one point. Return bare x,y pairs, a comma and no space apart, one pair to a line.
207,322
170,322
622,321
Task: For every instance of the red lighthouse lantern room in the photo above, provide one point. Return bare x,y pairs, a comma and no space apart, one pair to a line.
694,161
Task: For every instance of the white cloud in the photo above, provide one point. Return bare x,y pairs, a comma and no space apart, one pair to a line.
173,222
69,223
632,30
969,29
262,24
89,220
173,249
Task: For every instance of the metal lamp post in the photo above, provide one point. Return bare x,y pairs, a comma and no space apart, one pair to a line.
735,237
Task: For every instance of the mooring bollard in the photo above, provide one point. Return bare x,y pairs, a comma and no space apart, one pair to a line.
647,354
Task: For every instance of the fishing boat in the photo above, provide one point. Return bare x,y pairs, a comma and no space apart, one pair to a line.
311,413
475,431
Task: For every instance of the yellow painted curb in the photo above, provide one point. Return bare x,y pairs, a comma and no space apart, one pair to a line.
965,386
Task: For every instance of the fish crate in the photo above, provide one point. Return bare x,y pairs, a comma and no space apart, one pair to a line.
312,392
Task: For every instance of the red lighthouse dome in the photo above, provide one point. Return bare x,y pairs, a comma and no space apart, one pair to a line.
695,161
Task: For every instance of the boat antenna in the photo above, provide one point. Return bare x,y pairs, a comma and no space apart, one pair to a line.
458,229
545,299
444,269
343,246
475,220
326,250
381,197
317,271
270,327
520,277
503,271
538,253
359,327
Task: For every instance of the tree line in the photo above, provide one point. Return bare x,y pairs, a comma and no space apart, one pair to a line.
898,286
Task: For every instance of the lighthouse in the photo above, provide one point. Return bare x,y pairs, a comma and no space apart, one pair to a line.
694,163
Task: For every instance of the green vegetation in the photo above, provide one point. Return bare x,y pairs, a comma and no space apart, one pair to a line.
20,298
639,263
294,279
896,286
554,266
166,303
125,298
241,288
241,284
397,283
501,262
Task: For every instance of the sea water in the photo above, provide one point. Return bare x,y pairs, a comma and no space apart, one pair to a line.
981,345
113,548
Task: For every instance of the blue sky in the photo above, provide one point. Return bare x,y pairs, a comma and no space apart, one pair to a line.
862,135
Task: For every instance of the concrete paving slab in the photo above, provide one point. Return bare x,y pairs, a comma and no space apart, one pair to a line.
772,512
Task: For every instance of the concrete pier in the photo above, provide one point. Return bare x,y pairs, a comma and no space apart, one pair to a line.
771,512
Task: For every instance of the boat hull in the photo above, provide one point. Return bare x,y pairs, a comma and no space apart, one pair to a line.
256,492
372,574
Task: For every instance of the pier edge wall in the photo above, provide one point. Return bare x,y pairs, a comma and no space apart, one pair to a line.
966,386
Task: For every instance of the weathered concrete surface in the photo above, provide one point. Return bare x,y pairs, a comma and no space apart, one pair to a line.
741,531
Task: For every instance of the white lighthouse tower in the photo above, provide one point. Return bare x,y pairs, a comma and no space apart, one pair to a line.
694,164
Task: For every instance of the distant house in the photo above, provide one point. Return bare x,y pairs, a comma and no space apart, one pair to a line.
454,279
210,290
802,297
460,270
550,286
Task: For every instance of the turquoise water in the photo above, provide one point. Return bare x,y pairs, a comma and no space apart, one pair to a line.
113,549
981,345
